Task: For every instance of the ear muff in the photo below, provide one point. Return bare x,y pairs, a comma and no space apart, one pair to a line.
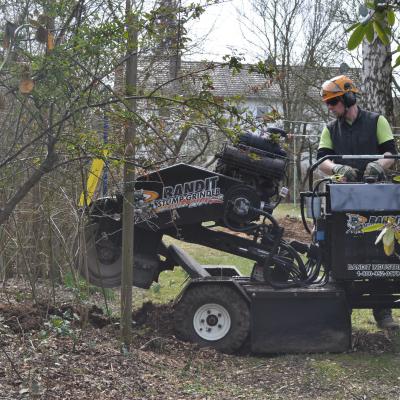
349,98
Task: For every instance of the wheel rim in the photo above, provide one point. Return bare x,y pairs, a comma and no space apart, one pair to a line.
212,322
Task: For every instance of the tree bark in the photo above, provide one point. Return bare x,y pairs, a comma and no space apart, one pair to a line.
377,78
46,166
129,179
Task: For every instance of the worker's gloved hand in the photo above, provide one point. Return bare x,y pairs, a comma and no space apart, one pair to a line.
349,173
376,170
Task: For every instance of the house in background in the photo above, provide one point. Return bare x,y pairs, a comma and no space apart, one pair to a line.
293,93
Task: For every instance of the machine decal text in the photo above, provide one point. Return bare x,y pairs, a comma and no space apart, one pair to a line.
190,194
375,270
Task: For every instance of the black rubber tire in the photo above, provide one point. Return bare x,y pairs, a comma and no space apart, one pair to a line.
223,295
87,263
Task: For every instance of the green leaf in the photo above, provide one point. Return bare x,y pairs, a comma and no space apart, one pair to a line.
388,249
356,37
381,33
388,242
372,228
388,31
370,4
352,27
369,32
391,17
388,237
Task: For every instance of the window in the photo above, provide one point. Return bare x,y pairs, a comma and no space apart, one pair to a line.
262,110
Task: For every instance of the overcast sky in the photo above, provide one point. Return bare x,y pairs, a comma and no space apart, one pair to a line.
221,29
219,32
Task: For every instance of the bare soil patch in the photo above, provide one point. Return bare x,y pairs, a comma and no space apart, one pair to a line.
69,349
85,360
294,229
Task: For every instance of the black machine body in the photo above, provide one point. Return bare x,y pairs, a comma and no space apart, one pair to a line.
314,285
357,229
177,201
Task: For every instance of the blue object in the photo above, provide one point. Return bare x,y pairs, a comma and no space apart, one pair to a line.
105,139
320,236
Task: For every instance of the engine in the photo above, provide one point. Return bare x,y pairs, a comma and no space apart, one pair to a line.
259,161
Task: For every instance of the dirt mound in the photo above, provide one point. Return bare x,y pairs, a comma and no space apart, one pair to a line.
25,317
20,318
156,316
374,342
294,229
153,325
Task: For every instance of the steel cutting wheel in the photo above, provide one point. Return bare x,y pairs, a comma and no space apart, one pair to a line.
97,257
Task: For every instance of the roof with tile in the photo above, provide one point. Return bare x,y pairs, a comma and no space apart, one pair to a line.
244,83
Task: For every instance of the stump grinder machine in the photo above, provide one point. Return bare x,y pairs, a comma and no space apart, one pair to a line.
299,296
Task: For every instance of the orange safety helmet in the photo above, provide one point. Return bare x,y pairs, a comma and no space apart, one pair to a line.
337,86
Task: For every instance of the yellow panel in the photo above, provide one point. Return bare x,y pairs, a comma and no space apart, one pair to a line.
95,172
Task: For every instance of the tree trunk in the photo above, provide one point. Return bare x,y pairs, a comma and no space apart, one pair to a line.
377,78
129,179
